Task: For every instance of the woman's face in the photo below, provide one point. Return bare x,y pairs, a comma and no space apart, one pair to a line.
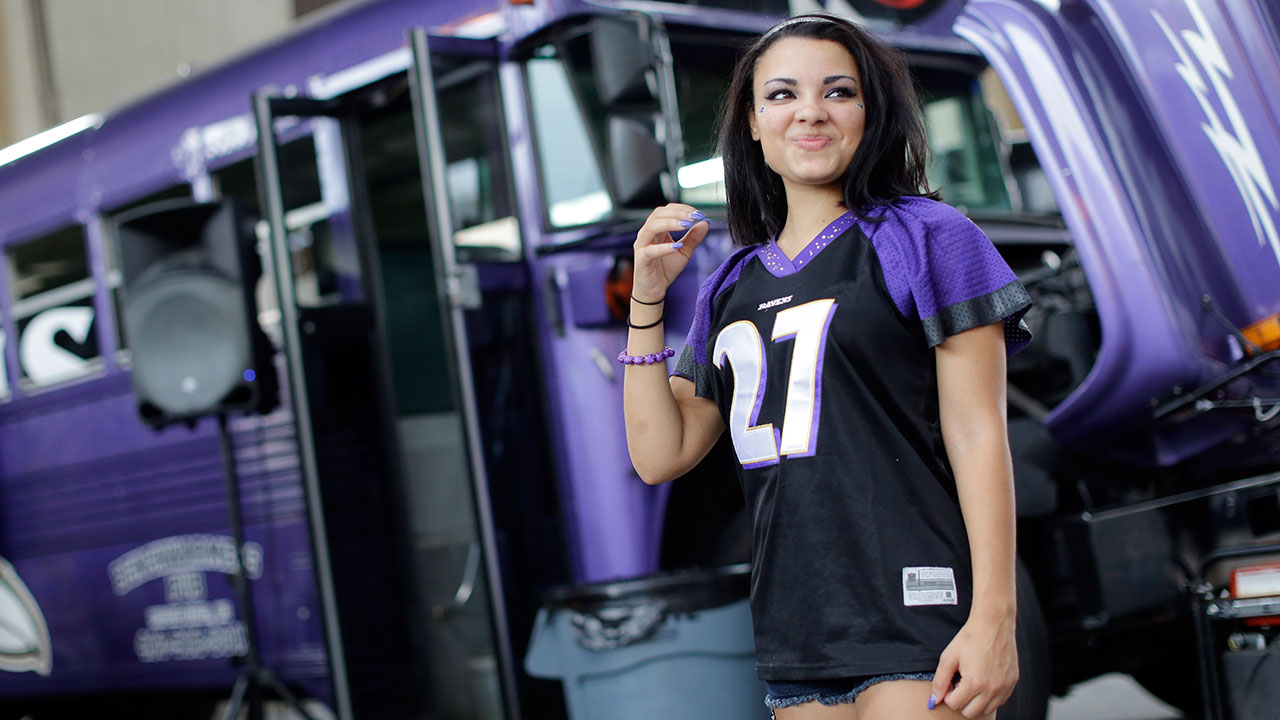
808,113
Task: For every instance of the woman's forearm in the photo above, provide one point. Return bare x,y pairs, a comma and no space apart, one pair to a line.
984,481
971,406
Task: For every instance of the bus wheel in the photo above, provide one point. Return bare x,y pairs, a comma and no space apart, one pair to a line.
1030,699
1163,669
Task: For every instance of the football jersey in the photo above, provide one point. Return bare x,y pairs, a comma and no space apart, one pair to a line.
823,370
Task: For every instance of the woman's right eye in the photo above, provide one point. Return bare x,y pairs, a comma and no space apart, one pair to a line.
779,95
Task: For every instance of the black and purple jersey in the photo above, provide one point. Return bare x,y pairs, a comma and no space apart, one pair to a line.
823,370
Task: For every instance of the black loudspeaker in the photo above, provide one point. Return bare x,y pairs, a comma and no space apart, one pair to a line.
188,274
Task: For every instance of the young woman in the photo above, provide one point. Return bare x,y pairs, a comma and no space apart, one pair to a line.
854,347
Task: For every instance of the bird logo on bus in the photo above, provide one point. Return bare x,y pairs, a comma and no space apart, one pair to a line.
24,635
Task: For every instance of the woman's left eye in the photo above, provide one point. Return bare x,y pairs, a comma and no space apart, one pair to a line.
841,92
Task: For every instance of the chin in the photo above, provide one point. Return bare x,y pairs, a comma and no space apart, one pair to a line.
818,179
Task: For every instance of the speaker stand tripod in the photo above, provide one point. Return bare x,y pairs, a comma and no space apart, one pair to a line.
254,675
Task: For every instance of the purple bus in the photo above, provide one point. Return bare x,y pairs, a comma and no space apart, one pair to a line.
444,196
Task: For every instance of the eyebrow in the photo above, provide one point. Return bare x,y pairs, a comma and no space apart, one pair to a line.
825,81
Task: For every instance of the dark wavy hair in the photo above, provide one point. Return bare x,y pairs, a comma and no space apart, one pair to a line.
889,162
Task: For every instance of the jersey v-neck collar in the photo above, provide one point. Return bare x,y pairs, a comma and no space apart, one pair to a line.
779,265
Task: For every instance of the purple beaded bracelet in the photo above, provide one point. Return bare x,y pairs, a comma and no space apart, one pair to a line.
650,359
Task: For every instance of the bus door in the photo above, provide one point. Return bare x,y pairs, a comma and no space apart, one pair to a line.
372,322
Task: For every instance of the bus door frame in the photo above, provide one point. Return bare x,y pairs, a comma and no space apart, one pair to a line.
458,292
267,107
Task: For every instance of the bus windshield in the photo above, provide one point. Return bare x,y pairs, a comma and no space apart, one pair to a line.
966,160
968,155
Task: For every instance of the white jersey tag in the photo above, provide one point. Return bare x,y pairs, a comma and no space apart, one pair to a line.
928,586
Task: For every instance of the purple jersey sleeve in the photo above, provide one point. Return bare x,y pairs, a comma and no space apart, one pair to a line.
939,267
693,361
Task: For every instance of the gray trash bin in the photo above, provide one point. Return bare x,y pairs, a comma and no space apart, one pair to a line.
674,646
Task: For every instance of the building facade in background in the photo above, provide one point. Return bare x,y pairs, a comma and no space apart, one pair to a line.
61,59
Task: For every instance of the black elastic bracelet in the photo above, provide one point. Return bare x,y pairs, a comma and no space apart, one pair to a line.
655,323
662,300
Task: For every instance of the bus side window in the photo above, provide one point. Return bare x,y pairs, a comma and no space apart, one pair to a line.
51,301
480,187
318,264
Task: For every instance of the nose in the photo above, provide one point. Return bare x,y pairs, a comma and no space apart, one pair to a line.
811,110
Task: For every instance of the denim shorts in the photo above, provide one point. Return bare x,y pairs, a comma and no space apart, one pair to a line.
781,694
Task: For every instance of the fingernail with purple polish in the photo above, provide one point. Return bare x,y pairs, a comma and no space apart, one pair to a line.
686,223
678,245
697,215
933,701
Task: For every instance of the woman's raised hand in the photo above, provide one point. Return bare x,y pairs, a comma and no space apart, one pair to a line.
663,248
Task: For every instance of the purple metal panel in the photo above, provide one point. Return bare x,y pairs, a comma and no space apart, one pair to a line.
110,637
9,331
1141,240
38,192
614,519
585,285
72,502
595,552
930,32
1256,26
612,513
1212,98
30,440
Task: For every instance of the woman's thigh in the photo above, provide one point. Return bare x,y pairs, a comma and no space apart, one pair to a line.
902,700
817,711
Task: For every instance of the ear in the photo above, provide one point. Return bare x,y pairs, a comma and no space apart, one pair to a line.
751,122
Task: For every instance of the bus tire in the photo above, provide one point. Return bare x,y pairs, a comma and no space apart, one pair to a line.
1167,667
1030,698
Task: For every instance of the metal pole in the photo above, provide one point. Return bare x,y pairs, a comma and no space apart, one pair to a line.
668,107
50,107
273,208
244,593
1205,652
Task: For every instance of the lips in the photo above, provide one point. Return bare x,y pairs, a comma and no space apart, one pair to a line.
811,142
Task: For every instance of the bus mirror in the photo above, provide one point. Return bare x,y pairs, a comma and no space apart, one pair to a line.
624,62
628,66
639,161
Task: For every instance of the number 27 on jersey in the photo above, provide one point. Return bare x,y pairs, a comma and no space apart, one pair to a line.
740,343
